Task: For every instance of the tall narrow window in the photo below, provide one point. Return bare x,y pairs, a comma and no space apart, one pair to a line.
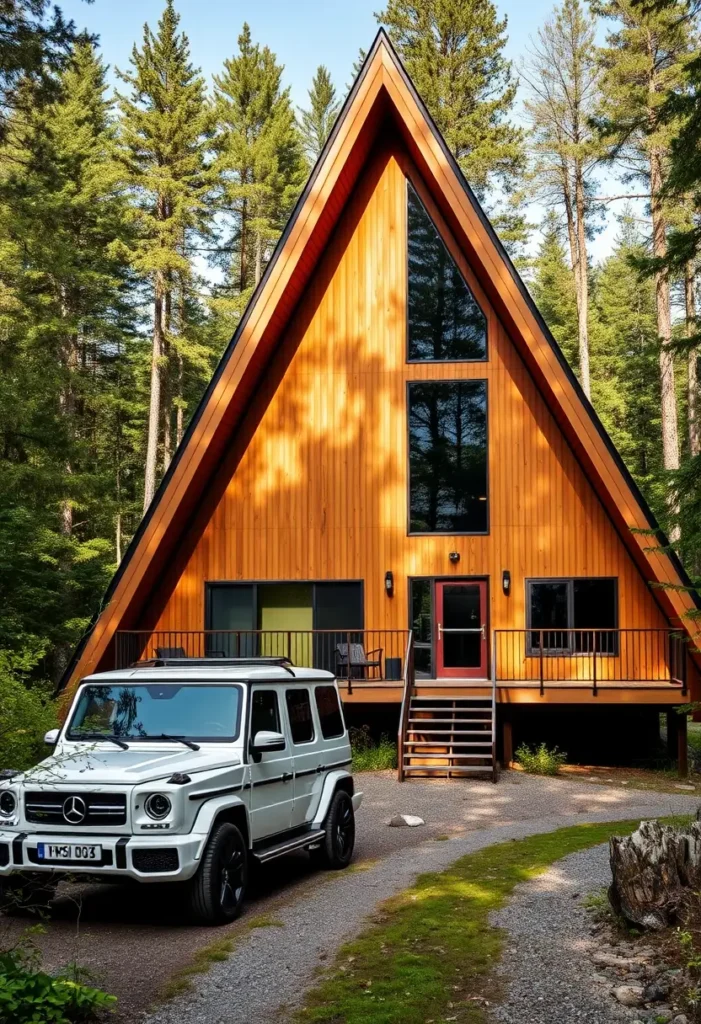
444,321
448,456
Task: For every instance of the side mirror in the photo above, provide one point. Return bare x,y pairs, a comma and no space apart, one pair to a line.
265,742
51,737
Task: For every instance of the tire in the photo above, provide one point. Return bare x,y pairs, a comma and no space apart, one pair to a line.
336,850
20,894
216,893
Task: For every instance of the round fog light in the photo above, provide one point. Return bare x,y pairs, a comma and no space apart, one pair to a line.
8,803
157,806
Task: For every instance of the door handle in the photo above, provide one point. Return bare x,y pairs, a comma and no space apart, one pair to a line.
477,629
321,768
286,776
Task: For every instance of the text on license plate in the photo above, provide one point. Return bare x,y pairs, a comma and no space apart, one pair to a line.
68,851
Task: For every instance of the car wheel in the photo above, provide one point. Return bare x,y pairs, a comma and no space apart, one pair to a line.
217,891
26,893
337,844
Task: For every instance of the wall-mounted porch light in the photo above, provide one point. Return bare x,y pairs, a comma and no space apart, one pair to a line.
389,583
454,557
506,582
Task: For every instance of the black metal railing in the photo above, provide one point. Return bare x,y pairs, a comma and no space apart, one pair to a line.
354,655
591,657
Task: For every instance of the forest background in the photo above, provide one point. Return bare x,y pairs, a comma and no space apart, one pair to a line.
140,205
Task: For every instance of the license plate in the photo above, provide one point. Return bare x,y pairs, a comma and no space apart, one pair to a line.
69,851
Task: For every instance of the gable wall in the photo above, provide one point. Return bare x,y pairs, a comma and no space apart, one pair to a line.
315,484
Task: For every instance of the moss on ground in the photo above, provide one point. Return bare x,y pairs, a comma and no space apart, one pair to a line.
431,950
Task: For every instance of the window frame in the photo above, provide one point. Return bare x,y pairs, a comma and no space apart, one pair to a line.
312,718
570,651
336,735
446,533
449,247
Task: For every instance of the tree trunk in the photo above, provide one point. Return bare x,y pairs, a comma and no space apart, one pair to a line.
692,364
583,290
656,874
243,265
259,258
154,412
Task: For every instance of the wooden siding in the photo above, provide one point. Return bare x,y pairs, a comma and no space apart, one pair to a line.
314,485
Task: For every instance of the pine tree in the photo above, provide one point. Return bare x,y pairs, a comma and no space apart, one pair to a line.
553,288
625,380
33,51
67,320
165,128
453,50
316,122
260,161
643,62
563,77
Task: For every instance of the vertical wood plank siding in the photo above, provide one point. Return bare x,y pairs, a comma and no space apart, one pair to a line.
314,485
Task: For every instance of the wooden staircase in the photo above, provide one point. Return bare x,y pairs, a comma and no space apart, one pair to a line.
448,736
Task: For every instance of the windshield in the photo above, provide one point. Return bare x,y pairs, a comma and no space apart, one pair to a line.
157,711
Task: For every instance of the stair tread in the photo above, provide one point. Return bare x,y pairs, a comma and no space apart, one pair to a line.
450,732
458,743
457,721
485,769
483,756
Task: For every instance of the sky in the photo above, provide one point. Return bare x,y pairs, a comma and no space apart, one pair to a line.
302,34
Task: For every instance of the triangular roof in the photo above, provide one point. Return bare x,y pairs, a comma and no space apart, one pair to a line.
382,89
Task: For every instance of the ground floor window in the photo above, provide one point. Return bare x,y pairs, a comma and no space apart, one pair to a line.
276,619
573,616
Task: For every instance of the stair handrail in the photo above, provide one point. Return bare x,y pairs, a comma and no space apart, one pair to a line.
494,706
406,700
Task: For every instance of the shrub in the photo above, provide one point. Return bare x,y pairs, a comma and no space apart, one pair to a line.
369,756
28,995
540,760
26,713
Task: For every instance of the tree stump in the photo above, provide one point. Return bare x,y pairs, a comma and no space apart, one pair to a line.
656,873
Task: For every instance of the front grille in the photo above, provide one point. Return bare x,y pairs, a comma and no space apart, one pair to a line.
149,861
53,808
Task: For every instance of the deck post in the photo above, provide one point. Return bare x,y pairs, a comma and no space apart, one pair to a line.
682,749
507,736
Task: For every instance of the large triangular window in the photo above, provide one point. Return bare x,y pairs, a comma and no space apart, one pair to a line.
444,321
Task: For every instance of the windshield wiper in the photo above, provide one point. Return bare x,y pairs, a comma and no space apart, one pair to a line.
102,736
175,739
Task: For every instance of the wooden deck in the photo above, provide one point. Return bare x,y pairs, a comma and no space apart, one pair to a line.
565,692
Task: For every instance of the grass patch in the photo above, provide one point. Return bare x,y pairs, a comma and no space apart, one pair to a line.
371,756
431,951
181,980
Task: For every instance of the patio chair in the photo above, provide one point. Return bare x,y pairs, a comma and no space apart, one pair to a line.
170,652
359,662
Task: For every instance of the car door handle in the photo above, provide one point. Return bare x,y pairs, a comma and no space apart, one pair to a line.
286,776
321,768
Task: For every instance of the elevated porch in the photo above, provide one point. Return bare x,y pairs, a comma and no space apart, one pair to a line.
647,666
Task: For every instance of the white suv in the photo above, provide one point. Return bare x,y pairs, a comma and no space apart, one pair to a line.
184,771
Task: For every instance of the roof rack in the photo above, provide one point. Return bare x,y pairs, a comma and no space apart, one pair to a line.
180,662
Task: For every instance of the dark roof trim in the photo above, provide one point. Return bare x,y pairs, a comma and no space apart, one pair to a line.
518,281
162,487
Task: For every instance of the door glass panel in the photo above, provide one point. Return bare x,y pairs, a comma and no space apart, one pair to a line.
285,616
337,606
231,607
549,612
422,625
461,610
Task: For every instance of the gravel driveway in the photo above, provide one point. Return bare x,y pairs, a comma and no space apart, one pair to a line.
546,967
132,939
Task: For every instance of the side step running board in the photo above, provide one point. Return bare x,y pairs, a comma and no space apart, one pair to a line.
280,849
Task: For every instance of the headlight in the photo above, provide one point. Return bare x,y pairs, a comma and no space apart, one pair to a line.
8,803
157,806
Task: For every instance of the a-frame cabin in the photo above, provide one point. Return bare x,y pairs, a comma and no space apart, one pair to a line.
394,474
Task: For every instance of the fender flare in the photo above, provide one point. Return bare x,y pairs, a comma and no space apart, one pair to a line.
209,811
330,786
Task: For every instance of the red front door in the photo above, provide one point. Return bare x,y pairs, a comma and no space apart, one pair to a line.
461,629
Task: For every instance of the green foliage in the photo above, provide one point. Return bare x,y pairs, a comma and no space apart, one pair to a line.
453,50
553,289
369,756
26,713
540,760
432,950
30,996
316,122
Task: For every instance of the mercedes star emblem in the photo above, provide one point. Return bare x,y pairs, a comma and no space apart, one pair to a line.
74,810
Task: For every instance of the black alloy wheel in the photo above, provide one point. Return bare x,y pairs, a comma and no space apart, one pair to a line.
216,893
336,849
